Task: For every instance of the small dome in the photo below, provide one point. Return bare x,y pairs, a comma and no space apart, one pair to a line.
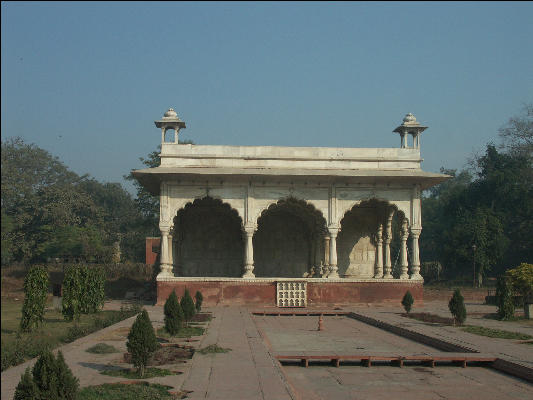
170,113
409,118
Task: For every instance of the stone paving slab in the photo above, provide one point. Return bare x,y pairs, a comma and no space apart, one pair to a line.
248,371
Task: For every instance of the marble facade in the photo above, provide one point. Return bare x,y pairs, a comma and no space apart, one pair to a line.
256,213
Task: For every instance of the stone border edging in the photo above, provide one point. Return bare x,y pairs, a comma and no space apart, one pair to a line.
418,337
508,367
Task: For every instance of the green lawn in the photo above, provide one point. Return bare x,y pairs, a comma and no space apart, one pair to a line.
139,391
53,332
495,333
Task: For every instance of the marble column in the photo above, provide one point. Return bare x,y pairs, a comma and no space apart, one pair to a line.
166,267
404,264
333,269
170,250
325,272
387,268
415,255
379,253
248,252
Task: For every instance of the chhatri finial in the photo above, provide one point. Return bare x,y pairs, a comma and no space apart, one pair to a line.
411,126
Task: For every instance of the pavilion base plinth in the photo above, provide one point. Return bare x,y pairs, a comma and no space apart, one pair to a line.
262,291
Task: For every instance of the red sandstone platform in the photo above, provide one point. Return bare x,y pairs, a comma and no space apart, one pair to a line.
262,291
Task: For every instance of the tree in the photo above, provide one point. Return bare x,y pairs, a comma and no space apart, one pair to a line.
68,384
26,388
199,300
517,134
147,203
142,341
173,314
45,376
51,379
457,307
35,291
521,279
187,305
407,301
504,299
73,286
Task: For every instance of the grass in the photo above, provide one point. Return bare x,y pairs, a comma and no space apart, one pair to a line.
16,348
132,373
117,391
102,348
495,333
428,317
185,332
212,349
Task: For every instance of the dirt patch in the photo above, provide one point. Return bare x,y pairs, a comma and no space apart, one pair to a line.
427,317
201,317
167,354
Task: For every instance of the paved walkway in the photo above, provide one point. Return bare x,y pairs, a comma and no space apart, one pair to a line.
249,371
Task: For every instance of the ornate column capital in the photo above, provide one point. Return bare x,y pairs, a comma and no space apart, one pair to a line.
415,232
333,230
250,228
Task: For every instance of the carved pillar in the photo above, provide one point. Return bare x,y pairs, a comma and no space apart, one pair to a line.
387,240
175,254
333,270
166,266
379,253
170,250
325,272
404,264
249,231
415,256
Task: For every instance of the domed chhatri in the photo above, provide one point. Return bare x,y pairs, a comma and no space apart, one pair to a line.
412,127
170,120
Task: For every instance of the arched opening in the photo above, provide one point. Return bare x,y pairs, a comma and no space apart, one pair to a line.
208,240
289,240
356,241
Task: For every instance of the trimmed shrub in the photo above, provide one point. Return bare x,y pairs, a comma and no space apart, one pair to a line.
93,290
187,305
141,341
408,301
83,291
45,376
67,383
73,287
504,298
51,379
199,300
457,307
35,291
26,389
173,314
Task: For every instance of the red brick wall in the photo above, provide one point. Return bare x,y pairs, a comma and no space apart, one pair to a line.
151,257
319,293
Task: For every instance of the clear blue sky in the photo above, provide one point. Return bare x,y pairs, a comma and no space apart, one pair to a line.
85,81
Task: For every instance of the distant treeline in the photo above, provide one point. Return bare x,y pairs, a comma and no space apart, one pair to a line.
50,212
488,205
